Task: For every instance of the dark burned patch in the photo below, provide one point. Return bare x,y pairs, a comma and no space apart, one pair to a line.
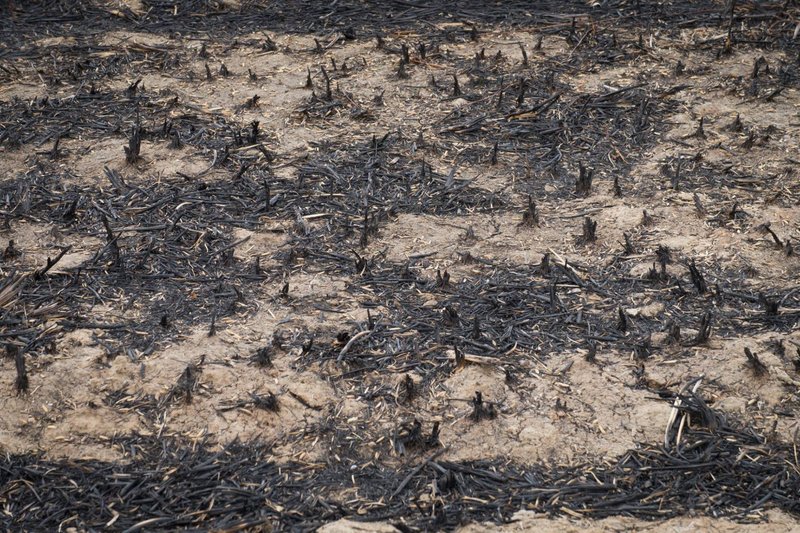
92,62
549,129
721,182
354,19
228,488
356,188
93,113
166,251
384,173
521,311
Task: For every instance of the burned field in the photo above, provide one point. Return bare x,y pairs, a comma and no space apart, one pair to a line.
271,265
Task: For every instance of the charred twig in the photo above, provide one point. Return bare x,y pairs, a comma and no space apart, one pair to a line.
252,102
688,403
414,472
408,436
408,390
622,320
40,273
697,278
252,137
401,71
664,255
589,231
116,180
132,151
583,185
770,306
766,226
265,402
676,177
617,187
643,349
627,247
754,363
700,132
187,383
544,264
530,217
11,251
131,90
698,205
704,331
353,339
735,126
591,352
442,280
482,410
263,357
674,333
21,381
456,87
111,242
450,316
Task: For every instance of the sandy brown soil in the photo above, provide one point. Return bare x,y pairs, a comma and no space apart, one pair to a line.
559,408
527,521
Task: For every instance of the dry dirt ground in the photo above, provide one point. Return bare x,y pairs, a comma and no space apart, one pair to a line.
280,315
